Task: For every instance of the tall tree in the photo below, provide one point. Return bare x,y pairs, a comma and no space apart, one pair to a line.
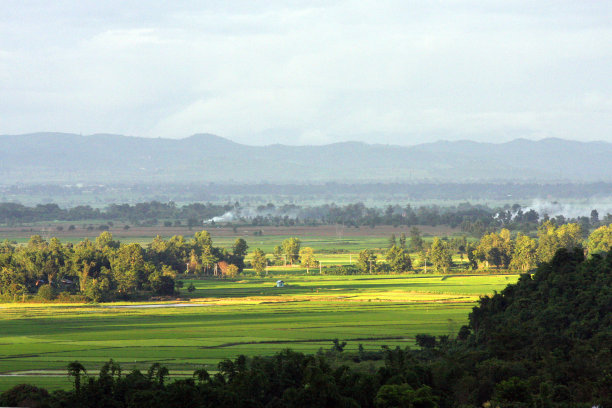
552,238
495,249
525,254
308,259
440,255
291,249
398,259
416,242
366,262
239,251
277,254
208,259
259,261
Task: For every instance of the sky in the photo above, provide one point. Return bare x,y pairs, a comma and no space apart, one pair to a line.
309,72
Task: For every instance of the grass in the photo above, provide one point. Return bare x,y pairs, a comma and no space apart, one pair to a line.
248,316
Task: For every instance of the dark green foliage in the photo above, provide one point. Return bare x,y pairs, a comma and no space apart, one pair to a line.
46,292
107,269
556,325
25,395
398,259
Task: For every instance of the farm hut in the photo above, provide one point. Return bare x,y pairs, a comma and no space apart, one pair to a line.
280,284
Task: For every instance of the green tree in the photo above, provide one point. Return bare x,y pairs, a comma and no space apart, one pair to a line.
202,239
366,261
12,283
291,249
161,284
471,249
75,369
98,289
201,375
106,242
600,240
495,249
398,259
416,242
525,254
239,251
259,261
232,271
404,396
440,256
129,268
552,238
208,259
308,259
277,253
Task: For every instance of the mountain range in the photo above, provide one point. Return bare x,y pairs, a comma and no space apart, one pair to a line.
104,158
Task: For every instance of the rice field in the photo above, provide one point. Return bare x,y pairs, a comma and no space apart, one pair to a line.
228,318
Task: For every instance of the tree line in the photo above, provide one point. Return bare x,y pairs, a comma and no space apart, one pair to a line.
106,269
14,213
494,250
475,220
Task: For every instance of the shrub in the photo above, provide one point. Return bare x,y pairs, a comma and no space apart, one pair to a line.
46,292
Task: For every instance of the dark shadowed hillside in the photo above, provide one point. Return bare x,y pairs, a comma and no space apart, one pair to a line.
69,158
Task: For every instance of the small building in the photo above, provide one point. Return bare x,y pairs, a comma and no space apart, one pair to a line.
280,284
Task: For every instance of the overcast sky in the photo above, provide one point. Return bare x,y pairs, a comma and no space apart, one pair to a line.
309,72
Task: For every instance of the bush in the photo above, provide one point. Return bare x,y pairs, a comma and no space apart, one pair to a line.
342,270
46,292
24,395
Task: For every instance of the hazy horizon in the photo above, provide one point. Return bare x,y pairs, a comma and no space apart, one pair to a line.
306,144
309,73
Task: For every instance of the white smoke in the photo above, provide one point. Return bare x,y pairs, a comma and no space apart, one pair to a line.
570,209
227,217
251,212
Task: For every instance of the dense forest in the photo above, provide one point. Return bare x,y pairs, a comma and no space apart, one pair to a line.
543,342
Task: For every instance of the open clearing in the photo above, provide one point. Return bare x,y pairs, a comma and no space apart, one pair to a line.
319,237
248,316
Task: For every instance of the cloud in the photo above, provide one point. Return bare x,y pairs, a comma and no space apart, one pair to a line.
309,72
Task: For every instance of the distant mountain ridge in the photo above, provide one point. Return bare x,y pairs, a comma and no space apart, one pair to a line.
104,158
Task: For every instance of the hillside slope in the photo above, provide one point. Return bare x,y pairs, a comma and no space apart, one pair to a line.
70,158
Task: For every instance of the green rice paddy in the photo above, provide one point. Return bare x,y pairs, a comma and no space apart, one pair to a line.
249,316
